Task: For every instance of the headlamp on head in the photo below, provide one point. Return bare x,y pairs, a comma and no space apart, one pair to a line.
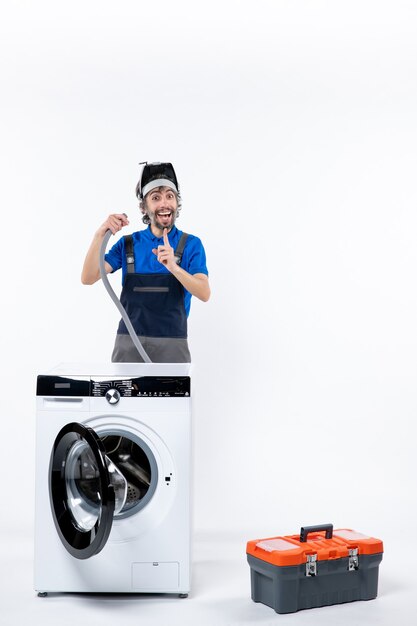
156,175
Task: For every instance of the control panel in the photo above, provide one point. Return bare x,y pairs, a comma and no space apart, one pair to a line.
143,387
115,388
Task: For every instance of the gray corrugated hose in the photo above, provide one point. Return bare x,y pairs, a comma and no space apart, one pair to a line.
117,302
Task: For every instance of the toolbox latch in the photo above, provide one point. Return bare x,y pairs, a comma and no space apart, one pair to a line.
311,565
353,559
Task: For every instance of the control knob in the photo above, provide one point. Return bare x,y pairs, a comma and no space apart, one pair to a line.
112,396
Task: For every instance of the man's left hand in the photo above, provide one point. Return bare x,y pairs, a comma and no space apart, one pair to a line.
165,253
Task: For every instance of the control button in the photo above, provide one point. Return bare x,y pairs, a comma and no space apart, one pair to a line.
112,396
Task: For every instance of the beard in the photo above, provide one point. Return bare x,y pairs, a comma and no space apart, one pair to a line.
163,223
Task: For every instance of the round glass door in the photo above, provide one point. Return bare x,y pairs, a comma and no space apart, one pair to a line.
132,458
86,490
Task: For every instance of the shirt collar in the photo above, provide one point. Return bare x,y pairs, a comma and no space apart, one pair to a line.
152,237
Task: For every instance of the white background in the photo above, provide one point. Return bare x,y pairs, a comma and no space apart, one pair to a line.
292,128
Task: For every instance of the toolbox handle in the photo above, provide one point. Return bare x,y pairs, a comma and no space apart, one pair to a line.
305,530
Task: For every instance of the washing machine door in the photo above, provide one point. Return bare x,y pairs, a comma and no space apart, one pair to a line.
81,491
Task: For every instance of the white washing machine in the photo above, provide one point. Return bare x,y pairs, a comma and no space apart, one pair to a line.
113,462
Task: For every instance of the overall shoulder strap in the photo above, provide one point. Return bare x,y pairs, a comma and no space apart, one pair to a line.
130,257
180,248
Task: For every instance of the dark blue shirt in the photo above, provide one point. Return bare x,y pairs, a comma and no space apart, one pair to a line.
193,258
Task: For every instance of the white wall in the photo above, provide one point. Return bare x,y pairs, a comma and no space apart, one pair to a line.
292,127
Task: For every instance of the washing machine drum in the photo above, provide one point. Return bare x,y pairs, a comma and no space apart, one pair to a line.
87,489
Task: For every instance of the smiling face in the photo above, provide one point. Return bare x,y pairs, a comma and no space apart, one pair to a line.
161,205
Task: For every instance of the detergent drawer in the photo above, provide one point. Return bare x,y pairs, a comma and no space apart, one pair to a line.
294,572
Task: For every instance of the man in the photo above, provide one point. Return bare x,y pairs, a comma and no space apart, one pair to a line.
162,267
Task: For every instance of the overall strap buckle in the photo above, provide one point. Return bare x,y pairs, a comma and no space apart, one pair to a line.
130,257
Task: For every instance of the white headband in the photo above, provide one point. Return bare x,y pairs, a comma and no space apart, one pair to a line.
159,182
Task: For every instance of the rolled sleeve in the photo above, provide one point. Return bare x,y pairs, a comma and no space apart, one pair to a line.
197,259
115,255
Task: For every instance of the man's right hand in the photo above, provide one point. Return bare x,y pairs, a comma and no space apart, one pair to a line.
91,268
115,222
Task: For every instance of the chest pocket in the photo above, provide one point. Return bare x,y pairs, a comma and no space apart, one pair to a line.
151,289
